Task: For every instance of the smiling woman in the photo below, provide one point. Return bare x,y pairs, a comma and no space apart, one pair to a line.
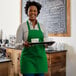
32,13
33,57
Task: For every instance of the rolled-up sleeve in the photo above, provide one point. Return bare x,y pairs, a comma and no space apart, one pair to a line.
45,33
19,38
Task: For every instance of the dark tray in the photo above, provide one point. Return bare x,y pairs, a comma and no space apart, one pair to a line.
49,43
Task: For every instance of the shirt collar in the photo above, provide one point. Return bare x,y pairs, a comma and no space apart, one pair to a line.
30,23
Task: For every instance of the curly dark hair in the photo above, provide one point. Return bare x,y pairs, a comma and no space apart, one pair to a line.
30,3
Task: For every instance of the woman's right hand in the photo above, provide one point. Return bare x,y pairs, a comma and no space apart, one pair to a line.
26,44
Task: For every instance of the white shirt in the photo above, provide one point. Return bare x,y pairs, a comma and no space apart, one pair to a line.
22,33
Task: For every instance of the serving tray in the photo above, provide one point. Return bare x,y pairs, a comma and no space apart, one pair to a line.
49,43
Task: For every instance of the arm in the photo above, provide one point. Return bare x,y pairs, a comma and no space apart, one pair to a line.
19,38
45,33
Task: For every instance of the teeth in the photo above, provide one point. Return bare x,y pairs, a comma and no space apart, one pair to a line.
32,16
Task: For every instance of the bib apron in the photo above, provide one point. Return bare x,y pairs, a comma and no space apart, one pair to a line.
33,59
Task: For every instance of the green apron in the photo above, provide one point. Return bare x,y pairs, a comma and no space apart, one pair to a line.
33,59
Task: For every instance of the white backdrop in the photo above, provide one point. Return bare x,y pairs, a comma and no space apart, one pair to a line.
9,16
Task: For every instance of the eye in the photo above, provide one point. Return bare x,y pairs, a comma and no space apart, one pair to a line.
30,10
35,10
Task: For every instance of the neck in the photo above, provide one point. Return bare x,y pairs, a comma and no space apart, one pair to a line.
34,22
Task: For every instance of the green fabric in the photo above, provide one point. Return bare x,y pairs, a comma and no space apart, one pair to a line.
33,59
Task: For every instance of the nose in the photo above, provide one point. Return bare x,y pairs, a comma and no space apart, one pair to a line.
32,12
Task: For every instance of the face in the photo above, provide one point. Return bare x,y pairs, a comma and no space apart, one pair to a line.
32,12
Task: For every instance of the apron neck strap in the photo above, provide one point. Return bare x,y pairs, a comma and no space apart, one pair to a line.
28,25
38,25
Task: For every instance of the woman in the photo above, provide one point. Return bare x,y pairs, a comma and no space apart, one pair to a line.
33,61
